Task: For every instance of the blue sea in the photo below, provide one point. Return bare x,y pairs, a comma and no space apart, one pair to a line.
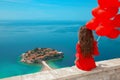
17,37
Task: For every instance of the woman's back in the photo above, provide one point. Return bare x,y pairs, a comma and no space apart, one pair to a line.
86,63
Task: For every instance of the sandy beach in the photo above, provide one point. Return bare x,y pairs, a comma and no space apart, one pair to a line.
45,66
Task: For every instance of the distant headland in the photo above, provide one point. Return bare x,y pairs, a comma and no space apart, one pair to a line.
38,55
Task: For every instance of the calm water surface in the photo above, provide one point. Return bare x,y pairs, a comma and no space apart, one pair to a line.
16,37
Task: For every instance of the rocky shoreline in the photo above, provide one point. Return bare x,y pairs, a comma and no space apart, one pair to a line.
40,54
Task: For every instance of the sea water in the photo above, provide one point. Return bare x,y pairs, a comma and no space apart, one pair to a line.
17,37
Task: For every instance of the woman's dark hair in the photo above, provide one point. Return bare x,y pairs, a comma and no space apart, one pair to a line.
86,41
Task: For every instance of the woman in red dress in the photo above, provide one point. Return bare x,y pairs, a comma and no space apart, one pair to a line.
86,49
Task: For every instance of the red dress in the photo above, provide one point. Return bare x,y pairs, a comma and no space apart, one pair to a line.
86,64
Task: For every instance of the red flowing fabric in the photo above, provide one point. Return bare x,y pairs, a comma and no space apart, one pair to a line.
86,64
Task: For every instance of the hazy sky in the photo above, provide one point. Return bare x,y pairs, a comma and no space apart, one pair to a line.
46,9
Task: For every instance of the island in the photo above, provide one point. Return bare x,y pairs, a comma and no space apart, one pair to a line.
38,55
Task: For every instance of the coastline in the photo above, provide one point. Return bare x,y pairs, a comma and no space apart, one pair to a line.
45,66
44,69
105,69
